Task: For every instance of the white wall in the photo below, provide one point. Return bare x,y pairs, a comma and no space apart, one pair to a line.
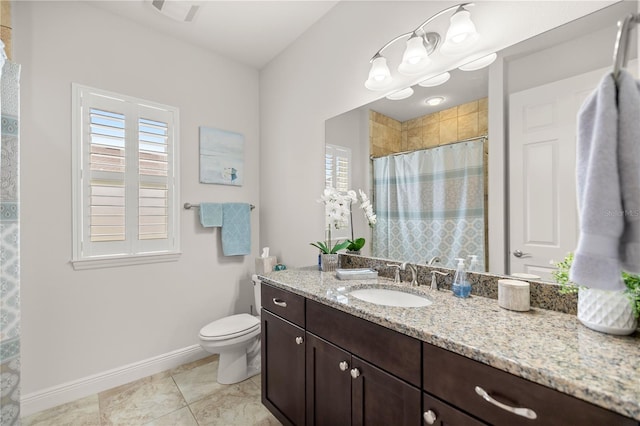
322,74
79,323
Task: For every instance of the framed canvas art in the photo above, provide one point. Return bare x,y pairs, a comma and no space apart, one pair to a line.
221,157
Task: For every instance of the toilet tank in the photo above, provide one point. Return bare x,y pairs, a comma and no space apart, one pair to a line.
256,293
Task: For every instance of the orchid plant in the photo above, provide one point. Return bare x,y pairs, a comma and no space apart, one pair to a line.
365,205
338,212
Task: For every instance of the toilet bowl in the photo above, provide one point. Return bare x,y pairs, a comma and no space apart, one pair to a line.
237,339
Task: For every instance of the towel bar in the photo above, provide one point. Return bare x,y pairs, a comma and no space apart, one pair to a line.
188,206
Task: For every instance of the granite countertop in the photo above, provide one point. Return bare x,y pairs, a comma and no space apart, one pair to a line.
543,346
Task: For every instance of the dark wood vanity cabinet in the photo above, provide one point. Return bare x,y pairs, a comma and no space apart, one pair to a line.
343,389
456,379
283,355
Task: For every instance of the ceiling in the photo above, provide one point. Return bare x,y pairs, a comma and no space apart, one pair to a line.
250,32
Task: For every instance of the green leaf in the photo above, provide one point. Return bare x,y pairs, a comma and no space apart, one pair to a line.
355,245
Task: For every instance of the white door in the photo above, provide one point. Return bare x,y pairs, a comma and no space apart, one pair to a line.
543,218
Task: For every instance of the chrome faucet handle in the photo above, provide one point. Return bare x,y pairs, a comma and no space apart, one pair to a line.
396,278
434,280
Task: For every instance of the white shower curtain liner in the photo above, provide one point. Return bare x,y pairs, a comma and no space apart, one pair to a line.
431,203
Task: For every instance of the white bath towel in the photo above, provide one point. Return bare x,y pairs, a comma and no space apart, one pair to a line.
597,259
629,164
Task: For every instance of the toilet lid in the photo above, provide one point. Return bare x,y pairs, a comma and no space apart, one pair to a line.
230,327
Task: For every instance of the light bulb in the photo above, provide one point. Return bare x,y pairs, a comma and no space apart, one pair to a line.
461,33
379,75
434,101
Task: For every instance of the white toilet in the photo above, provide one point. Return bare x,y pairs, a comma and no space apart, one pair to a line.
237,339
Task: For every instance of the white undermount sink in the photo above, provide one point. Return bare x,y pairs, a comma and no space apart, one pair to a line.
389,297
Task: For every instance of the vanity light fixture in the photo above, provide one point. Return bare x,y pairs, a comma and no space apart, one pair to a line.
434,101
435,81
400,94
481,62
421,44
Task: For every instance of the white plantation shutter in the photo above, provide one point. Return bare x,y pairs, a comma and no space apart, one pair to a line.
337,167
125,176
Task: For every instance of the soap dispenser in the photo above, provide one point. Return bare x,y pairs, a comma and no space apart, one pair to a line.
461,287
473,263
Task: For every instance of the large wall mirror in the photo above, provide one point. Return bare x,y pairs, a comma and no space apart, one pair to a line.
448,148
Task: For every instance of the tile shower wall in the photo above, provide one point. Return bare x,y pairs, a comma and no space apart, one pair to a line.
465,121
9,248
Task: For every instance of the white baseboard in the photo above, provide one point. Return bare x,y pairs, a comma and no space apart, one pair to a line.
70,391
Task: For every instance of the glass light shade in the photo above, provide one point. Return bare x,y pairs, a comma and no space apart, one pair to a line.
415,59
379,75
479,63
400,94
461,34
435,81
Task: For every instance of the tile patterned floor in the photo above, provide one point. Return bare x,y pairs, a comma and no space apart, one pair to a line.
184,396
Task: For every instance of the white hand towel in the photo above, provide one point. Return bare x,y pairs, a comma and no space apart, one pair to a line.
597,263
629,164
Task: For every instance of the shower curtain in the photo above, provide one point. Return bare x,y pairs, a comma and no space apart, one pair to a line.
431,203
9,246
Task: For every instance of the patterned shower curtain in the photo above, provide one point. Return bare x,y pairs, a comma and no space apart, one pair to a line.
431,203
9,246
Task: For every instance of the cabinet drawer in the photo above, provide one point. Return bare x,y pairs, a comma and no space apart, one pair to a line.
454,378
436,412
283,303
392,351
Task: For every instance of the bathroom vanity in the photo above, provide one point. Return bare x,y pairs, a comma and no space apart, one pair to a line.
331,359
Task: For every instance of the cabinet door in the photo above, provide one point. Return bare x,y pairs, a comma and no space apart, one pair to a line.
283,369
378,398
328,383
436,412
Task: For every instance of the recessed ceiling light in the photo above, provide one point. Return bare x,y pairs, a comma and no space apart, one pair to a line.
435,81
434,101
479,63
400,94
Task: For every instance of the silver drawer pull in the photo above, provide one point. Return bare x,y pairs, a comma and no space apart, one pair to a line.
355,373
524,412
279,302
344,366
299,340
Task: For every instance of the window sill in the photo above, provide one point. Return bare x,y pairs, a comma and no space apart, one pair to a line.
117,261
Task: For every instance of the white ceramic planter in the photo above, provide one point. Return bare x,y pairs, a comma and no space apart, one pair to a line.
329,262
606,311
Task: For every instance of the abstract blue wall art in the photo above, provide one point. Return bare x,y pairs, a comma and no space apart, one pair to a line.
221,157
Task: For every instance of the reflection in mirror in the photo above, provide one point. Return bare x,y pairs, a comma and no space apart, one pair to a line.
583,46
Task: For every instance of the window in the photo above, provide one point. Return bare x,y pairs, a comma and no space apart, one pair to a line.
125,180
337,169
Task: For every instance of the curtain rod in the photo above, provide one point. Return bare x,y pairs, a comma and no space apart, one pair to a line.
371,157
188,206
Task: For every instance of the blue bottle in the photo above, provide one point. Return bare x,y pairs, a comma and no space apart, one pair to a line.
461,287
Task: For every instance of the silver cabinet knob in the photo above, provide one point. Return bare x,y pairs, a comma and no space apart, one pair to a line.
344,366
299,340
430,417
355,373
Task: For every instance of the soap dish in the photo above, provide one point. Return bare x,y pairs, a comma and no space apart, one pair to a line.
356,274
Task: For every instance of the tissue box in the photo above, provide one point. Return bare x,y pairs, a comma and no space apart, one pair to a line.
265,264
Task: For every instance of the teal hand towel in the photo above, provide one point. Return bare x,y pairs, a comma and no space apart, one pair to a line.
211,214
236,229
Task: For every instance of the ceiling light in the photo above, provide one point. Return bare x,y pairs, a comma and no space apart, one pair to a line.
400,94
379,75
179,10
420,45
434,101
435,81
479,63
461,35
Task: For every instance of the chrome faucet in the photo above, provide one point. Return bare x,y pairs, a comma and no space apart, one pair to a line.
434,259
396,278
414,272
434,280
